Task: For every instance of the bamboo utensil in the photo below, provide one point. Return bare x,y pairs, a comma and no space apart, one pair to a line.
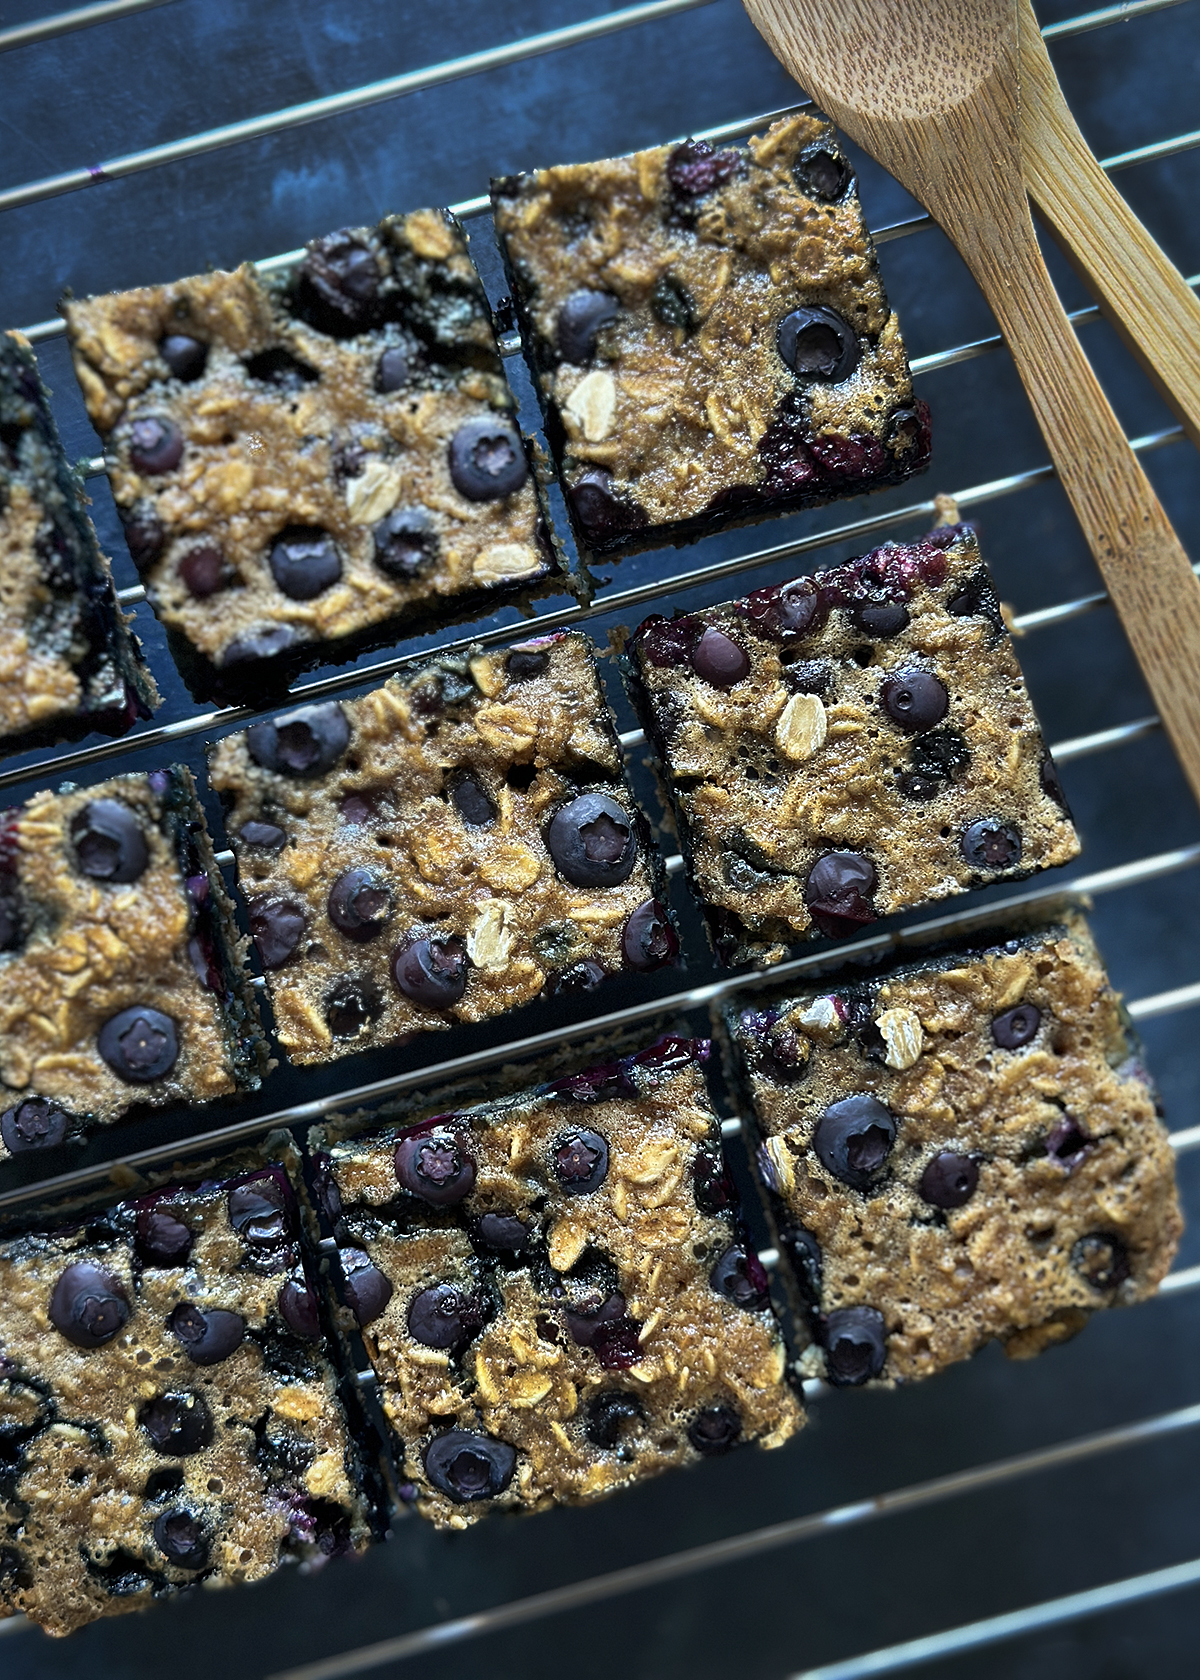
931,90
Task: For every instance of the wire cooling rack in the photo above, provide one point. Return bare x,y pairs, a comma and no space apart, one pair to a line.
707,1574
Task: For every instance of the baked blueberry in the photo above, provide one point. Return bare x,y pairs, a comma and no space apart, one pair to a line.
579,1159
110,843
719,660
367,1289
269,641
438,1168
695,167
209,1335
139,1044
406,540
949,1180
855,1346
181,1539
276,926
144,534
162,1237
739,1276
1068,1142
35,1123
817,344
593,841
267,835
391,370
351,1006
1101,1260
467,1466
1016,1026
155,446
714,1430
487,459
306,742
444,1316
610,1416
880,618
838,892
178,1424
296,1304
186,357
473,802
603,513
258,1211
992,844
854,1137
431,970
648,940
916,700
88,1305
504,1232
525,663
359,904
338,284
822,173
203,571
305,562
584,314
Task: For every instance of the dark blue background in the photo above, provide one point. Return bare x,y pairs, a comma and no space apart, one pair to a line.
196,63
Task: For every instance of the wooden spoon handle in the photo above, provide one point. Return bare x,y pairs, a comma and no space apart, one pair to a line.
1143,563
1144,295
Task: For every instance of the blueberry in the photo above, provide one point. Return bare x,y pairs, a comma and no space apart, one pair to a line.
714,1430
855,1345
648,940
609,1415
258,1211
296,1305
139,1044
178,1424
276,927
610,1333
431,970
592,841
695,168
818,344
337,284
487,459
406,540
267,835
582,976
305,562
524,663
791,610
582,316
438,1168
822,174
368,1290
306,742
351,1006
712,1186
109,841
838,892
473,803
673,304
719,660
580,1161
35,1123
880,618
391,370
466,1466
186,357
443,1316
739,1276
1016,1026
807,1263
268,642
208,1336
949,1180
503,1231
279,368
203,571
601,511
88,1306
943,754
1067,1143
853,1139
162,1237
916,700
359,905
155,446
1051,785
1101,1260
144,534
181,1540
991,844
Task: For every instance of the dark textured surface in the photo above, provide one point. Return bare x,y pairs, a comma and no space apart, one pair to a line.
196,63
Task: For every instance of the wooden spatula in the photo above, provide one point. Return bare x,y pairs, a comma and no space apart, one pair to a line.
1142,293
930,88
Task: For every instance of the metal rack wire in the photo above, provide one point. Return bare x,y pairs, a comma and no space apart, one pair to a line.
711,576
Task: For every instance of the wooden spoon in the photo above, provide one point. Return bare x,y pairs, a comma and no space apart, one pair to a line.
1142,293
930,88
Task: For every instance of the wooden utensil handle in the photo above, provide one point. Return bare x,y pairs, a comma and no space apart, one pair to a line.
1147,573
1143,294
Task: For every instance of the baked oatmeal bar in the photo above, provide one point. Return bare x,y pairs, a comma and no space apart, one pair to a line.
710,334
68,662
959,1148
444,848
848,745
555,1289
122,976
317,459
167,1405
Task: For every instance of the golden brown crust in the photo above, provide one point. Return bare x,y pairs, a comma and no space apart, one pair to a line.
524,1379
800,758
1007,1262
